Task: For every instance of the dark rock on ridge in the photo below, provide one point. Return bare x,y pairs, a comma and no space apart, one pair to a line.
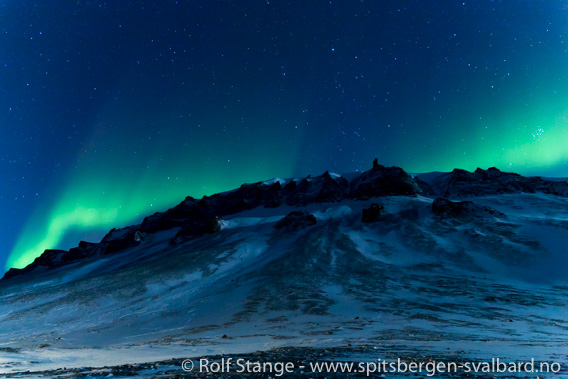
246,197
462,209
461,183
131,237
296,220
373,213
49,259
425,187
383,181
13,272
198,227
321,189
171,218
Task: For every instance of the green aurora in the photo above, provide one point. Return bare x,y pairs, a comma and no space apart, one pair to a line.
118,196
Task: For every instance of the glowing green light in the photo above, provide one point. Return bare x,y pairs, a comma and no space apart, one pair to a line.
115,190
529,143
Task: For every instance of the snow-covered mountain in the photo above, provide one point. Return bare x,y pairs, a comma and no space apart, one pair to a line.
450,266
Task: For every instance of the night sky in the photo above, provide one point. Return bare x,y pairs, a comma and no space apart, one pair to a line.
110,111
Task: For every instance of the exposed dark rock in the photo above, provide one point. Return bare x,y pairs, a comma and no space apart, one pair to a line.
159,221
260,194
426,188
84,250
462,209
130,239
376,163
174,217
197,227
184,209
373,213
114,241
461,183
13,272
321,189
139,236
291,185
296,220
49,259
550,187
247,196
116,234
484,182
383,181
9,350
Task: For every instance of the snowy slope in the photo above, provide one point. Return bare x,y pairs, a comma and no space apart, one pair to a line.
484,287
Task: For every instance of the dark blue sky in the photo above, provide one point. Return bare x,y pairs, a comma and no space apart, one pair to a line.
113,110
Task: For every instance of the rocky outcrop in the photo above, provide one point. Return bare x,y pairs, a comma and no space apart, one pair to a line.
296,220
171,218
120,239
13,272
116,240
198,227
425,187
246,197
461,183
383,181
84,250
321,189
49,259
464,210
373,213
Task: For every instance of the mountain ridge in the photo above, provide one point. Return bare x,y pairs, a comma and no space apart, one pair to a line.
370,265
199,217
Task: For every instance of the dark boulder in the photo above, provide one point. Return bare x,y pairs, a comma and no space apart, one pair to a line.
383,181
462,209
373,213
296,220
